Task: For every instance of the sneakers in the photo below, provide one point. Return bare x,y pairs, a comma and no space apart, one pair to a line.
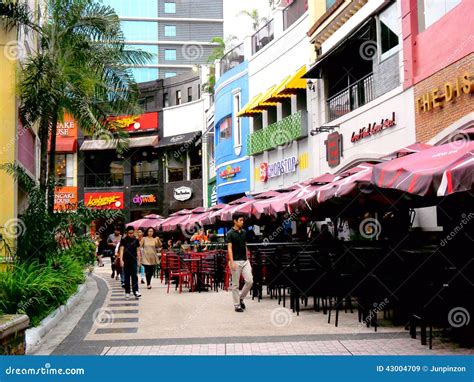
242,305
137,294
238,309
127,296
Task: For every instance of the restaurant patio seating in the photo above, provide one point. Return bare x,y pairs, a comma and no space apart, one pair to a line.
178,270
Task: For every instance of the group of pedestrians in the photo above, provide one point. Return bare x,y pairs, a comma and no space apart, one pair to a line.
136,252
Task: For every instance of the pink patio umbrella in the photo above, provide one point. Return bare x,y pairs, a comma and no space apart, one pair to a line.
189,225
152,220
298,198
247,208
349,182
215,216
439,171
410,149
204,219
170,224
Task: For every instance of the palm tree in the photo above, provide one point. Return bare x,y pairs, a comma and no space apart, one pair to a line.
254,17
81,68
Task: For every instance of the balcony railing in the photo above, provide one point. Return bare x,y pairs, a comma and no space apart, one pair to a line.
195,172
104,180
293,12
143,178
280,133
262,37
232,59
351,98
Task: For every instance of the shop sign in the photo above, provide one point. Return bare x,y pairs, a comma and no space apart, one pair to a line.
182,193
65,198
229,172
373,128
439,96
277,169
141,199
66,129
214,196
146,121
104,200
334,149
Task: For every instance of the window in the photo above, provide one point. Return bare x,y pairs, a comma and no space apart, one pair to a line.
170,7
140,30
145,169
152,49
127,8
170,54
329,3
147,103
237,126
389,29
195,163
178,97
166,100
144,74
170,74
190,94
430,11
175,161
64,169
225,129
170,30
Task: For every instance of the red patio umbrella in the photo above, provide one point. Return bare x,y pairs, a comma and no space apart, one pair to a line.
189,225
204,219
439,171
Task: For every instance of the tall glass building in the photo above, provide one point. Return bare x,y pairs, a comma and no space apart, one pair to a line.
177,32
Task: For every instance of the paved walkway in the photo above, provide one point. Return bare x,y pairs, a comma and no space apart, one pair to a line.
205,323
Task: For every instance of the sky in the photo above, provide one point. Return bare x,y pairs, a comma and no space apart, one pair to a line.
240,26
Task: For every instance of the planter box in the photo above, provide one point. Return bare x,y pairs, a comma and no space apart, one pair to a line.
12,334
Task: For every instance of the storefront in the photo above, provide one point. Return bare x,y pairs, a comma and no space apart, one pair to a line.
380,128
444,102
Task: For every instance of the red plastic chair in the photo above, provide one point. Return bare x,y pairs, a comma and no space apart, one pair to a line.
178,270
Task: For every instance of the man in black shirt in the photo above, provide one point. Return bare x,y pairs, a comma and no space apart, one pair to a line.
130,258
238,261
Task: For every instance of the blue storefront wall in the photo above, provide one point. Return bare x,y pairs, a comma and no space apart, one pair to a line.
233,168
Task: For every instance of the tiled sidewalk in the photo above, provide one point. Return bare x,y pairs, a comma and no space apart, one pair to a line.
356,347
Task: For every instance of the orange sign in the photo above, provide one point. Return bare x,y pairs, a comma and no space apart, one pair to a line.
68,128
65,198
104,200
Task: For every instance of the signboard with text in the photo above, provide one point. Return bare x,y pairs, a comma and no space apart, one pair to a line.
273,170
334,149
65,198
104,200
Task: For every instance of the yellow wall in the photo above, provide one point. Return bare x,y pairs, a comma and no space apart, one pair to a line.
8,123
316,9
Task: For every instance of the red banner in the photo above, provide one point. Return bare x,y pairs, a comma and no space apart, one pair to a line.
104,200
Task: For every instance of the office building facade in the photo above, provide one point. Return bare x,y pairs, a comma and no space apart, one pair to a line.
177,33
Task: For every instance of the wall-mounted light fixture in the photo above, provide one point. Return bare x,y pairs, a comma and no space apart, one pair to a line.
323,129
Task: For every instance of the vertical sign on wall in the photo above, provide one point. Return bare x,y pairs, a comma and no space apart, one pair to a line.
333,149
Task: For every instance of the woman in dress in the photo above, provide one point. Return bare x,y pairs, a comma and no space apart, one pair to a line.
151,254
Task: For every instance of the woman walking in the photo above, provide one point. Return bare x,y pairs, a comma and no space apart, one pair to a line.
151,246
141,269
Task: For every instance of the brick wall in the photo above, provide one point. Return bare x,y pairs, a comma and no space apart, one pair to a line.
431,122
386,75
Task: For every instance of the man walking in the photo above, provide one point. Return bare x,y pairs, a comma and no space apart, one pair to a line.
238,261
112,241
130,258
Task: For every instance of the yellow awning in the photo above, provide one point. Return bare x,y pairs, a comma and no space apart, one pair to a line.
265,102
290,85
250,107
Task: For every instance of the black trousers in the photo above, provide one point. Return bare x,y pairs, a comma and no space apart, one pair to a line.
149,270
130,272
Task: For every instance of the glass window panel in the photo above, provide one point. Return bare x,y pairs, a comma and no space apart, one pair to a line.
170,7
225,129
329,3
170,74
145,74
140,30
389,28
152,49
170,54
433,10
170,30
127,8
